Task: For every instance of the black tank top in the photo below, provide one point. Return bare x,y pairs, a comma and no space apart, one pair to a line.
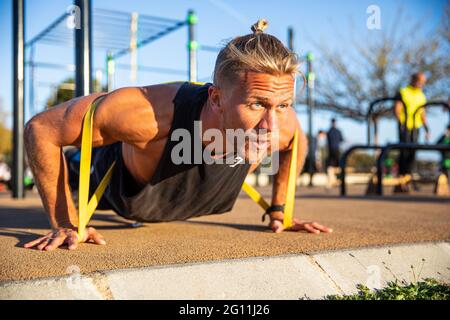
176,191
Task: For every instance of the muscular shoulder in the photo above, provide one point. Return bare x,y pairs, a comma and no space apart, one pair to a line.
137,115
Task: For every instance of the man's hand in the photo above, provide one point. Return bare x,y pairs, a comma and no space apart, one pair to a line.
65,236
311,227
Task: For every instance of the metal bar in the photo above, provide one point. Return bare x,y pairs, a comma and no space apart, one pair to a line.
47,30
32,69
115,43
402,146
428,105
83,50
192,46
48,65
56,42
309,98
56,38
133,45
343,162
149,39
209,48
369,114
291,39
110,72
18,98
123,13
152,69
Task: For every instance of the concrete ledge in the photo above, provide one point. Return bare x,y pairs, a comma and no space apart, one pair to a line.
280,277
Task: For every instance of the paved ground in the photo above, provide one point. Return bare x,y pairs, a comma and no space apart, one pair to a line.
293,276
357,221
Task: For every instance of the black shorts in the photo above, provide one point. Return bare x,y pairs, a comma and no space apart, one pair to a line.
102,159
333,158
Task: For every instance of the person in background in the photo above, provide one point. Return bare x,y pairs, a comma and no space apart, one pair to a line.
319,150
334,139
317,153
409,99
5,174
445,160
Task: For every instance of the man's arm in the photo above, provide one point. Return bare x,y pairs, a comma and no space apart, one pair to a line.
280,183
45,135
279,187
49,131
398,109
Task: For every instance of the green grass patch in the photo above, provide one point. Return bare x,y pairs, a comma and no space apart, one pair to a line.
428,289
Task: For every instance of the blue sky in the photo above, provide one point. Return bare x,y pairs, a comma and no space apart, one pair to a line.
219,20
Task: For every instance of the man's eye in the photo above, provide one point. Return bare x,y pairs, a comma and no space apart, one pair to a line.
256,106
283,106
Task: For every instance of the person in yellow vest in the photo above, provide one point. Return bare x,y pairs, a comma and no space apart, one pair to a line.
409,99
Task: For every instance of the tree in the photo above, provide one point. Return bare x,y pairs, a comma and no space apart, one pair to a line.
5,134
376,67
65,91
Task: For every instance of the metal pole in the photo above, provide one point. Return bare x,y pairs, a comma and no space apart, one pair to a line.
192,46
375,131
133,45
110,70
83,50
309,98
18,97
291,39
31,88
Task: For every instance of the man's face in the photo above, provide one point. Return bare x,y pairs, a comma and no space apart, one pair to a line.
420,81
257,103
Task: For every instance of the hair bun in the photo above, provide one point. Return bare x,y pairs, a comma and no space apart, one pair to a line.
260,26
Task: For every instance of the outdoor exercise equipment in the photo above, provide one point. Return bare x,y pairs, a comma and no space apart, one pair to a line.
443,104
370,118
130,32
376,181
401,146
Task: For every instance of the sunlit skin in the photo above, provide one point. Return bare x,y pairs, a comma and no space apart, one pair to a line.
419,81
262,101
254,101
251,101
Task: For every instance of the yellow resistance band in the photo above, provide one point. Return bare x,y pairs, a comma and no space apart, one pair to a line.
292,182
87,207
290,194
255,196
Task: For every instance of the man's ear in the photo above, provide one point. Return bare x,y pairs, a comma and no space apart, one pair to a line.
214,98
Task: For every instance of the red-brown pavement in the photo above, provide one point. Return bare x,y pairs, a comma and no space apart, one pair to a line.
357,222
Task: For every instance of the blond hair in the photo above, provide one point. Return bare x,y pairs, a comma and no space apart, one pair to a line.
258,52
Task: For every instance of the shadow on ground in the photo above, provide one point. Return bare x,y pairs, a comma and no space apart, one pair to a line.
31,219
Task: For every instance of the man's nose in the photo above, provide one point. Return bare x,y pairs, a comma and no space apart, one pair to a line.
269,121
